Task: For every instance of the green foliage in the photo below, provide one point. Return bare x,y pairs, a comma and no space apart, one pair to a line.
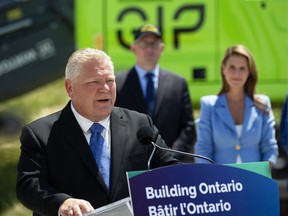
14,113
9,155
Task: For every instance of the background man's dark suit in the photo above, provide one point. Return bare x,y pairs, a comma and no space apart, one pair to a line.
70,169
173,113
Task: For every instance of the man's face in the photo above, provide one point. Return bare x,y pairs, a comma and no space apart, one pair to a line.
147,51
93,92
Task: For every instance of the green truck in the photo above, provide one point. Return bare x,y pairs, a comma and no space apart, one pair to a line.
196,34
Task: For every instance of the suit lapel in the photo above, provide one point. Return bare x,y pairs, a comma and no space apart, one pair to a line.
160,93
222,111
118,135
250,115
134,91
74,134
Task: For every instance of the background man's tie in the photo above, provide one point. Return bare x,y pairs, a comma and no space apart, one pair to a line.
150,93
100,152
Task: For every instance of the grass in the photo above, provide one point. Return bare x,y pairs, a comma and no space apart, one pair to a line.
15,113
21,110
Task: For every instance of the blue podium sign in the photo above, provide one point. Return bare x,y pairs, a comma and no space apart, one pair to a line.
202,189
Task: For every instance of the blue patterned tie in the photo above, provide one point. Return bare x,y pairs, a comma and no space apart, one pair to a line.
150,93
100,152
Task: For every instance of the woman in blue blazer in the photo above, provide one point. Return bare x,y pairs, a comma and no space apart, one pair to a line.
237,125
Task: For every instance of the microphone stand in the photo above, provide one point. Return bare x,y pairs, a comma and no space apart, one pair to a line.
175,151
151,155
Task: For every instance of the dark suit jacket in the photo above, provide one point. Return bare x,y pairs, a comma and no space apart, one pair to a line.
173,113
56,162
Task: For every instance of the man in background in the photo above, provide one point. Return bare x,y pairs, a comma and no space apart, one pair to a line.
161,94
284,126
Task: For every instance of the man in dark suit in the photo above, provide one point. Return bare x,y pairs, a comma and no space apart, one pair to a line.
171,110
57,173
284,126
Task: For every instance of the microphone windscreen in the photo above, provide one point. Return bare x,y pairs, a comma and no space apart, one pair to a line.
145,135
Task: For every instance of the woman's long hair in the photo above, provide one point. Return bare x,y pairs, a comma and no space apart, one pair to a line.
252,79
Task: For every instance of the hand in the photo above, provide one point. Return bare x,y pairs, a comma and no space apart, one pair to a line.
74,207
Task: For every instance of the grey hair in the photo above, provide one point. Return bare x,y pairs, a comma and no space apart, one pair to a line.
81,56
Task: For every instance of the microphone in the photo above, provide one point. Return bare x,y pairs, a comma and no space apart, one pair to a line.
145,136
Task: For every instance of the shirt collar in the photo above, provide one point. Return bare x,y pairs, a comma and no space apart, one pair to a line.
142,72
85,123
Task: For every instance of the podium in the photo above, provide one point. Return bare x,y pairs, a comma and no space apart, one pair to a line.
199,189
205,189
